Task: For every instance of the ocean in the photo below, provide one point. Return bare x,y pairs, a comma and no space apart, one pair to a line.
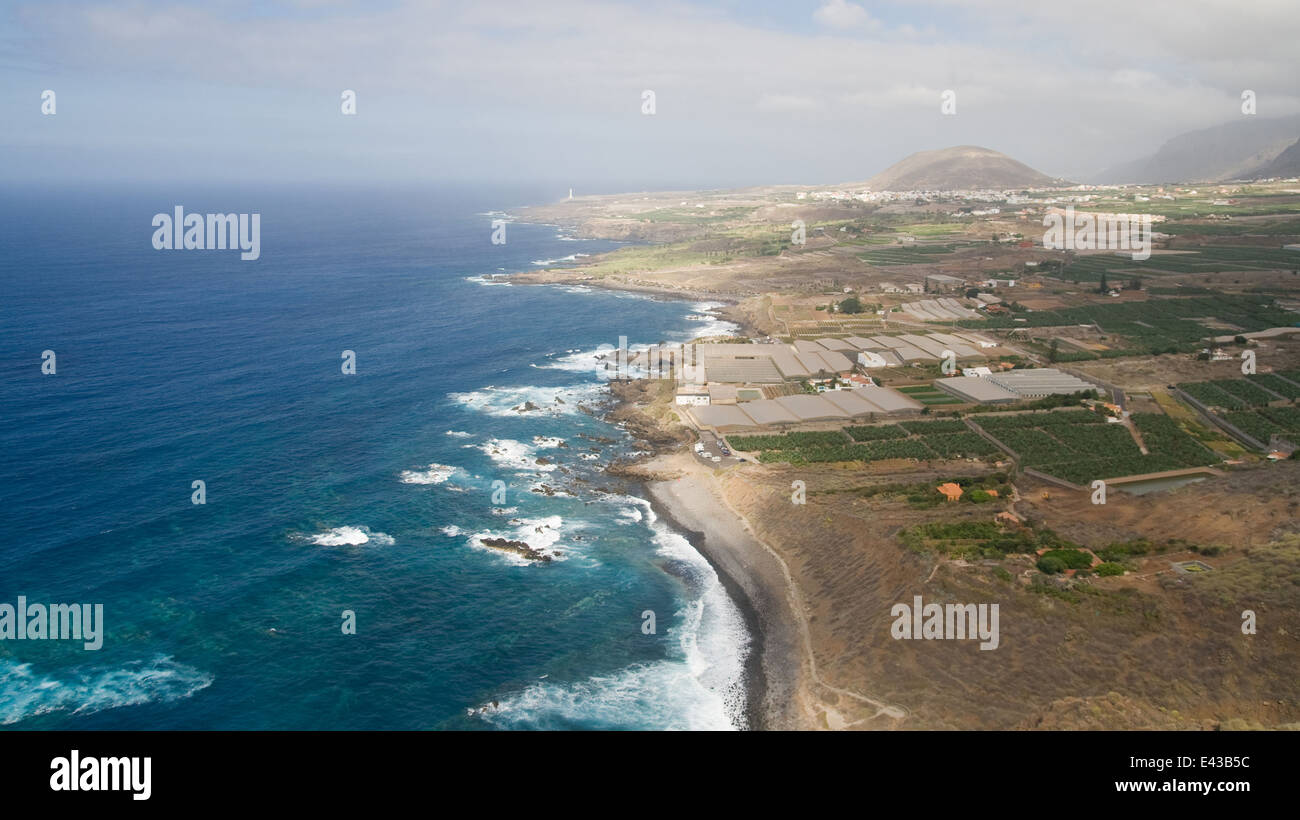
328,492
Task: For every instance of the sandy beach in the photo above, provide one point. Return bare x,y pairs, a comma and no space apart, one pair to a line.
753,576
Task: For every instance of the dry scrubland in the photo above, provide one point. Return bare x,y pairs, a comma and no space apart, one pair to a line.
1128,652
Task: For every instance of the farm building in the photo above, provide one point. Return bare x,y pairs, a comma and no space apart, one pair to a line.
1040,381
942,283
977,389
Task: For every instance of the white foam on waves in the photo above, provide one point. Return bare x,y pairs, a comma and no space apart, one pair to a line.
349,536
436,474
25,694
701,688
484,279
515,455
510,401
539,533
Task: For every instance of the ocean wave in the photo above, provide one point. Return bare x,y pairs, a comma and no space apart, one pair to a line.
459,434
707,324
541,534
701,688
515,401
573,257
25,694
484,279
348,536
436,474
520,457
576,361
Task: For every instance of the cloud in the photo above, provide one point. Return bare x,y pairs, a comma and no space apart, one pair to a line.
521,89
782,103
843,15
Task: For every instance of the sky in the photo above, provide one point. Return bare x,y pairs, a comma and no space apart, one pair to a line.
552,91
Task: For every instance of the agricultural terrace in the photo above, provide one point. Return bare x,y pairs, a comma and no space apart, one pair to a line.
1080,446
912,440
928,394
1212,259
1245,403
1155,326
910,255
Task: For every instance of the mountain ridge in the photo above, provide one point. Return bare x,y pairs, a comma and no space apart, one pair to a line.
1233,150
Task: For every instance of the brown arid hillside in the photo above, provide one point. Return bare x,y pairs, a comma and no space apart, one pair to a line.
962,167
1150,650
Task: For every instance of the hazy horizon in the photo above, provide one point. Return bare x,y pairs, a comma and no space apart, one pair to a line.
745,94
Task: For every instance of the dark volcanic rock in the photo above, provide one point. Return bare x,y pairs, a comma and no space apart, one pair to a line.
516,547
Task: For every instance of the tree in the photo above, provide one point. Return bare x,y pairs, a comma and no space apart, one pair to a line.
1102,287
971,293
851,305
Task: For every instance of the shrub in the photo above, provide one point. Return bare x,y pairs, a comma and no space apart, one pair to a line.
1109,568
1050,566
1073,559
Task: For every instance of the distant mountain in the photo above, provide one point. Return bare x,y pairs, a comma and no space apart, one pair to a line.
960,167
1230,151
1285,164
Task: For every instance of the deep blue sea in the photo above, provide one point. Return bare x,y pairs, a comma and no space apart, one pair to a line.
326,491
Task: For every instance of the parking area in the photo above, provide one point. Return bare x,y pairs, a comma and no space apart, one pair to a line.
711,451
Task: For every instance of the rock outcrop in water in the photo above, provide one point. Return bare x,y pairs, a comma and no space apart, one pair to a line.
517,547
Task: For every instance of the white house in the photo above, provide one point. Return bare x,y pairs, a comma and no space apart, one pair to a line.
693,396
869,360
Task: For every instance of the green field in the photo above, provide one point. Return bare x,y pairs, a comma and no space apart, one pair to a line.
1080,447
929,394
1233,394
913,255
869,443
1215,259
1264,422
1243,403
1155,326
